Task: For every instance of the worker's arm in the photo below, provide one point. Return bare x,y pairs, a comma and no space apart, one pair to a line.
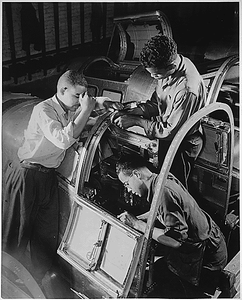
158,233
87,105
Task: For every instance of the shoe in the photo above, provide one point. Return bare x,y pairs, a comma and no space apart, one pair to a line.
226,284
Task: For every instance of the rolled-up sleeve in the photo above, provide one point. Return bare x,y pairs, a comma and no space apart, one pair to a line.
150,107
165,125
173,216
58,134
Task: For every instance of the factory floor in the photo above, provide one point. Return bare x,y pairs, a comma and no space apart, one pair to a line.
18,281
55,287
16,284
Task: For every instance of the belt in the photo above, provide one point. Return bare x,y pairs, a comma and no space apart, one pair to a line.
36,167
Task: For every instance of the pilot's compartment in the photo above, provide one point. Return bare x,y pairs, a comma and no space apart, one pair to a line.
103,187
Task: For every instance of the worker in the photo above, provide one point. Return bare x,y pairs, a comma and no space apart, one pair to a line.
180,92
193,245
30,205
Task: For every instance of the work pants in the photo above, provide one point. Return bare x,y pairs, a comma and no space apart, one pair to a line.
30,214
185,157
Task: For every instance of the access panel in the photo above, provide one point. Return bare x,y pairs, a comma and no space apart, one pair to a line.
100,247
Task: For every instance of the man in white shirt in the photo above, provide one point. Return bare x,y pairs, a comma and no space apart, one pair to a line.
30,204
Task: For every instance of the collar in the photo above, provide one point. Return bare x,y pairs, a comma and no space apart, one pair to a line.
61,104
181,62
151,185
170,79
59,108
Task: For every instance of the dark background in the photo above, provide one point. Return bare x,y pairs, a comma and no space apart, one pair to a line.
201,30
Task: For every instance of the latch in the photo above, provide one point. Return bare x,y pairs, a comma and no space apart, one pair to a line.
93,255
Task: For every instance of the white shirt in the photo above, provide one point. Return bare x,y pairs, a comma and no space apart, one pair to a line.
48,135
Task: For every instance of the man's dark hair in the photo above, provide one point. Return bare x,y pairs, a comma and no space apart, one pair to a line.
74,77
129,162
159,52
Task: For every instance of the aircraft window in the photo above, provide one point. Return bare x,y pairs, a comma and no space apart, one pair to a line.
90,232
112,95
118,257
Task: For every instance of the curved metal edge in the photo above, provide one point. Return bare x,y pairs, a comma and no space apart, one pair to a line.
8,96
8,104
89,149
133,17
167,164
92,60
166,26
85,168
218,80
123,43
23,274
156,15
132,271
173,149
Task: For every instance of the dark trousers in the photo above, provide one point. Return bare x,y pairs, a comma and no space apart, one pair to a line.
30,215
185,157
171,285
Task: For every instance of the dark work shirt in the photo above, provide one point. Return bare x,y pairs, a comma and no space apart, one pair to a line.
175,99
187,223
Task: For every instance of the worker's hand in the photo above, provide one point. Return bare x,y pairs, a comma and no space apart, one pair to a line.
87,102
108,104
127,109
126,121
128,219
143,216
112,105
91,121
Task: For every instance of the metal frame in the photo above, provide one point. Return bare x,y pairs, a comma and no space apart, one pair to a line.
145,17
140,260
219,77
166,168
